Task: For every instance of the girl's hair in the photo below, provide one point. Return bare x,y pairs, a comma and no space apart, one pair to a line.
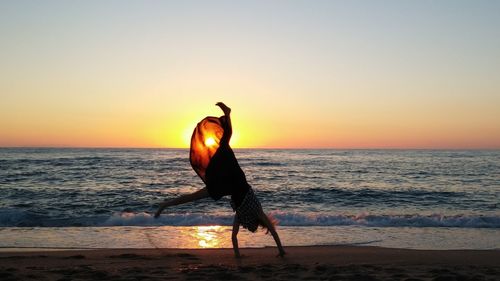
273,221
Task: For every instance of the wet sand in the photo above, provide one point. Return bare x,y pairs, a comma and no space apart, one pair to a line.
300,263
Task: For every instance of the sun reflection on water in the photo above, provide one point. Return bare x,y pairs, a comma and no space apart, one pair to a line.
208,236
191,237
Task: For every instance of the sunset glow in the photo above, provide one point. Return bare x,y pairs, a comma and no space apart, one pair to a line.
296,75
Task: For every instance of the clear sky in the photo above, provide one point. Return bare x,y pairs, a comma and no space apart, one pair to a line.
316,74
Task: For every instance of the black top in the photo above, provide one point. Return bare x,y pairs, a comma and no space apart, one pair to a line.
225,177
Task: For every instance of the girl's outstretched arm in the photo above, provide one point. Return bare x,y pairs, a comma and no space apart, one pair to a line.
234,236
202,193
270,226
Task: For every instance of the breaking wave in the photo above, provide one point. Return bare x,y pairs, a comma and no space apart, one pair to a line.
10,217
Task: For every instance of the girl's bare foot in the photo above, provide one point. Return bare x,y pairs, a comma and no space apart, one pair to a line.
224,108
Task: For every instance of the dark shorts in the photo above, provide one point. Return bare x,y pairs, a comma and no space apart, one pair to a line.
248,211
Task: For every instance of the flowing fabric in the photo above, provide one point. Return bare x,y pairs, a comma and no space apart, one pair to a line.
204,144
214,161
217,166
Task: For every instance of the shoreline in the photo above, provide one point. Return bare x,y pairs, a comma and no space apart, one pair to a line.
300,263
14,250
216,236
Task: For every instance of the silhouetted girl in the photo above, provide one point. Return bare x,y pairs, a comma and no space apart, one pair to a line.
214,161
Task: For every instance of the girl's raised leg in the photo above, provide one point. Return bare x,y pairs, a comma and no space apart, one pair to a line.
197,195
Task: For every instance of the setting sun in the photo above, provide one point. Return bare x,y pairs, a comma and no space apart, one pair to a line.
209,141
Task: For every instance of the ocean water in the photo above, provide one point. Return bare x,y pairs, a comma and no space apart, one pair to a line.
100,198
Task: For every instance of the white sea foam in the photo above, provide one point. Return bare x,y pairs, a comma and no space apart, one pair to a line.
13,217
312,219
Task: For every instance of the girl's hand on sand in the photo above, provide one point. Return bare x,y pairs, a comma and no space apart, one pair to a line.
238,256
224,108
281,254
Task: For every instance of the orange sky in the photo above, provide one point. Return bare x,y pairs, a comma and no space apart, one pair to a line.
329,75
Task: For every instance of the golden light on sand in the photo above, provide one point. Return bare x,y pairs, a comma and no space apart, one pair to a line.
209,141
207,236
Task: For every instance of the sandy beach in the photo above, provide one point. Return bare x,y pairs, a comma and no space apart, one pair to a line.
301,263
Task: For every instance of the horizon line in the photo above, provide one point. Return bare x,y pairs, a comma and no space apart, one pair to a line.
257,148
